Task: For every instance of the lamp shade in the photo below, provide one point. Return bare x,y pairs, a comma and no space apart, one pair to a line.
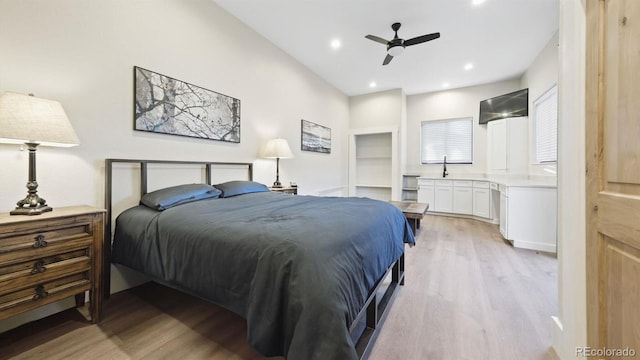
28,119
277,149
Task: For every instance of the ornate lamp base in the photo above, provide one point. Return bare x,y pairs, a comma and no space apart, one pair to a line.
27,210
32,204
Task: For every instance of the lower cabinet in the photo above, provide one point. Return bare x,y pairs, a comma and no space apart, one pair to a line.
426,193
462,197
482,199
528,217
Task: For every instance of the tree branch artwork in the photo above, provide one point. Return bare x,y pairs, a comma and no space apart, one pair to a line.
166,105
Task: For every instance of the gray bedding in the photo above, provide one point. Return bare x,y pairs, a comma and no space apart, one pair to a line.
298,268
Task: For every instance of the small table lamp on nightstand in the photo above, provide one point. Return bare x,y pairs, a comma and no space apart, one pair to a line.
277,149
33,121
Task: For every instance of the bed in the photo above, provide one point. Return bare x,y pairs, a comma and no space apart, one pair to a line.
308,273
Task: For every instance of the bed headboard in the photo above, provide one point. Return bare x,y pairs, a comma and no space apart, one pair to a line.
143,167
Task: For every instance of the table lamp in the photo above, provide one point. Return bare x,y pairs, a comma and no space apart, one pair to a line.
277,149
26,119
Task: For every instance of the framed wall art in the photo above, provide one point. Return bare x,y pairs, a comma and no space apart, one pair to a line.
169,106
316,138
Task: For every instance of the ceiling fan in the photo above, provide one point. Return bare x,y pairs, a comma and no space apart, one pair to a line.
396,46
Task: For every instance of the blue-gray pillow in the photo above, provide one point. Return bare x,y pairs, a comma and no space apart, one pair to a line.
239,187
177,195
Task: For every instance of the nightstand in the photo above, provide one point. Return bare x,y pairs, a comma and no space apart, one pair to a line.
292,190
49,257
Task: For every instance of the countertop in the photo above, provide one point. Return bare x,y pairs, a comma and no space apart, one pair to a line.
506,180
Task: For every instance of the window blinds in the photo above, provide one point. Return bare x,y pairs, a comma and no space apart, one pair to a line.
546,126
452,138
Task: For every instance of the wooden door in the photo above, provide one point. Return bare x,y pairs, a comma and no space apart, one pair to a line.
613,174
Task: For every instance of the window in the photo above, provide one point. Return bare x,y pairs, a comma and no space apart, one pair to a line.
546,126
452,138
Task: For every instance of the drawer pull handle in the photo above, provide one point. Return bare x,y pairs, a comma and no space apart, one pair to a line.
38,267
40,242
40,293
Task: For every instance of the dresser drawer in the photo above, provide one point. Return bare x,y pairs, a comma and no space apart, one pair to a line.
25,244
45,292
33,272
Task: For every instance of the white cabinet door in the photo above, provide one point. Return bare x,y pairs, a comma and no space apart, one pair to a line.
426,195
482,202
443,199
531,217
497,145
462,200
504,211
507,146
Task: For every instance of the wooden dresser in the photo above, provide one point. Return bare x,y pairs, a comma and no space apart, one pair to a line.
49,257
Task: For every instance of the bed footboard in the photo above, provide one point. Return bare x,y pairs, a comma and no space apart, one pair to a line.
365,328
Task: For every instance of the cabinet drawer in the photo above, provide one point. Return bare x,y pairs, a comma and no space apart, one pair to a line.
31,273
462,183
494,186
425,182
44,293
24,244
444,183
481,184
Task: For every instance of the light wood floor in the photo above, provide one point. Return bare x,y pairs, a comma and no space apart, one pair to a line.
468,295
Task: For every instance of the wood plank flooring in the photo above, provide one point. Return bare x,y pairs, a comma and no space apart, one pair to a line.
468,295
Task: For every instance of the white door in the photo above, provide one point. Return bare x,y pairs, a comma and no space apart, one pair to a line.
481,203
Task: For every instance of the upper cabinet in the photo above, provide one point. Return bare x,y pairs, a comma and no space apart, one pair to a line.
507,146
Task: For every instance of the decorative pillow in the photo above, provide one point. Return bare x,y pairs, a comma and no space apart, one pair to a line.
177,195
239,187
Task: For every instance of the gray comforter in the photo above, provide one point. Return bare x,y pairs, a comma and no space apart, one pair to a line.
298,268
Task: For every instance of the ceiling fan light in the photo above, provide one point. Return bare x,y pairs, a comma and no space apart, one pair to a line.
395,50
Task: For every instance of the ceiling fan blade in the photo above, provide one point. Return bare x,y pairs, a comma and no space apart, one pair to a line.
421,39
377,39
387,59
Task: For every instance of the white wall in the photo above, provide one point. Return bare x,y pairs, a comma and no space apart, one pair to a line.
570,327
455,103
541,76
82,54
378,109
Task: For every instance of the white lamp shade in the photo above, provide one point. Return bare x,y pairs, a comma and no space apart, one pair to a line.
277,149
28,119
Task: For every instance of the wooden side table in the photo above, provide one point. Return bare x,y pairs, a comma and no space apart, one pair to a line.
49,257
292,190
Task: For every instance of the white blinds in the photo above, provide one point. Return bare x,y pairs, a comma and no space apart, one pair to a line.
546,126
452,138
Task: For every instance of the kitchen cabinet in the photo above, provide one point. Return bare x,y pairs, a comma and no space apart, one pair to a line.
462,197
443,197
507,146
426,193
481,199
528,217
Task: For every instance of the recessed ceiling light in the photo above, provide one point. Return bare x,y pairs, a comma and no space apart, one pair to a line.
477,2
445,85
336,44
468,66
372,84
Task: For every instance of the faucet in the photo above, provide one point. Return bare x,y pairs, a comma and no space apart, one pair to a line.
444,167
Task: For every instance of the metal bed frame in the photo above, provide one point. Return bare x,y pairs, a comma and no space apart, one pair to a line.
367,323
